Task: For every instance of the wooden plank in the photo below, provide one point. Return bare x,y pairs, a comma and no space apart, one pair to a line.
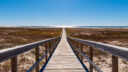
63,59
114,64
14,64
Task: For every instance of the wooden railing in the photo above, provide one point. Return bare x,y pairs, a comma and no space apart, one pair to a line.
115,51
12,53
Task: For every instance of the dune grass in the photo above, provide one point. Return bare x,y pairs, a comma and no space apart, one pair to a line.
10,37
98,34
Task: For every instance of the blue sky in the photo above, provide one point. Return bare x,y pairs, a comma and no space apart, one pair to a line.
63,12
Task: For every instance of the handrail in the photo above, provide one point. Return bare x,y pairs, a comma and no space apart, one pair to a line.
116,52
42,57
121,52
12,53
84,55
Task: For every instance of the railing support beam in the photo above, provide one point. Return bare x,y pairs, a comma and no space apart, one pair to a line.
114,64
14,64
37,58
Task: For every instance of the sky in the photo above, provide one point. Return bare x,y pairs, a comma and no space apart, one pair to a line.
63,12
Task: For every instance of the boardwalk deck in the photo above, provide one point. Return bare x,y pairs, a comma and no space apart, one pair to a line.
63,59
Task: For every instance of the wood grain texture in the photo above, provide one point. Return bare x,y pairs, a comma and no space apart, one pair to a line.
63,59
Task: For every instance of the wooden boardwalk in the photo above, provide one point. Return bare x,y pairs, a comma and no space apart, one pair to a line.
64,59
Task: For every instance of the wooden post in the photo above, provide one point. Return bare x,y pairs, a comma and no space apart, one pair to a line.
37,58
46,50
91,58
74,45
77,47
53,43
14,64
71,42
50,47
82,52
114,64
56,42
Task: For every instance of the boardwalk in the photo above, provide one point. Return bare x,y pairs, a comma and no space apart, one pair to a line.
63,59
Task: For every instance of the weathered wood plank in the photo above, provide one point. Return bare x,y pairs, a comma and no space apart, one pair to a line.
63,59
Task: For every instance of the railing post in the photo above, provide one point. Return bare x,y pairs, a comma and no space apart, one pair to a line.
73,43
46,50
37,57
55,42
50,47
14,64
82,52
77,47
114,64
91,58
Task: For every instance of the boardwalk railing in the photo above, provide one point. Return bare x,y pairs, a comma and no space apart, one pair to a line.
115,51
12,53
